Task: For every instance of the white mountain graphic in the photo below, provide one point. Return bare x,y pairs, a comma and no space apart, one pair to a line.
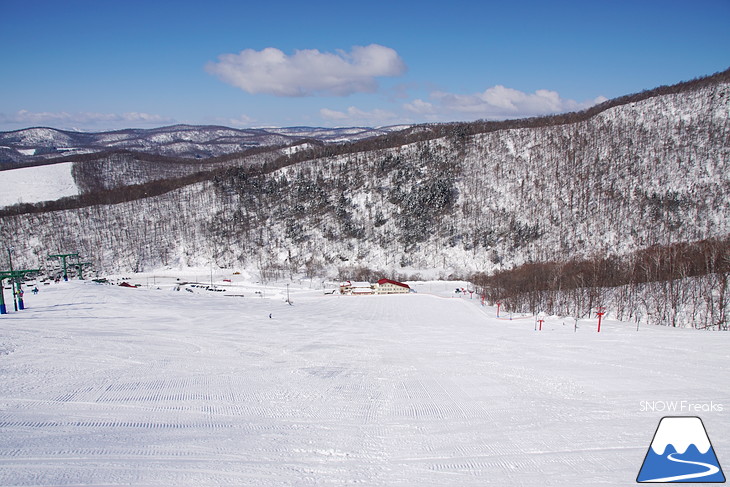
681,452
680,432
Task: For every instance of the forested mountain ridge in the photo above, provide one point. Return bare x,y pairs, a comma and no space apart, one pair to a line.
649,169
41,145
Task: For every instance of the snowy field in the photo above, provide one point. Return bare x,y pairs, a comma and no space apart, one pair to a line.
104,385
35,184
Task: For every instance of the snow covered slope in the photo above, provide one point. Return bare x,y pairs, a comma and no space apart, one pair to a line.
103,385
34,184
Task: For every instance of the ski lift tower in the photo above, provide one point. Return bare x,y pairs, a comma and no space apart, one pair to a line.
80,268
63,258
3,309
6,275
15,282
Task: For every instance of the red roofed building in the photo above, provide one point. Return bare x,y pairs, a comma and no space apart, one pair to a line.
386,286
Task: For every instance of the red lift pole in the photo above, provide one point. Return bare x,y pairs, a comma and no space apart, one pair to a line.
600,311
540,321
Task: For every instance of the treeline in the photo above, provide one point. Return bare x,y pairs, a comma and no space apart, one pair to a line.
677,285
366,274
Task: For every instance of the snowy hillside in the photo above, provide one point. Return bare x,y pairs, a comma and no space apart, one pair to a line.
158,387
651,172
34,184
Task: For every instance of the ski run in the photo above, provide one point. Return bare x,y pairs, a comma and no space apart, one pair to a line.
103,385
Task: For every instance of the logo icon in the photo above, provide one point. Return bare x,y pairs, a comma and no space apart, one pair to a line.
681,452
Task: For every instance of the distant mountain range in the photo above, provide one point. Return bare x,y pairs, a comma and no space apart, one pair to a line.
33,145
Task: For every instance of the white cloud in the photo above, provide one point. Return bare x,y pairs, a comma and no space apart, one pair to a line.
355,116
242,121
87,120
308,72
421,107
497,102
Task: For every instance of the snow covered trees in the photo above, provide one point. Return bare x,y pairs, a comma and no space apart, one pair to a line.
682,284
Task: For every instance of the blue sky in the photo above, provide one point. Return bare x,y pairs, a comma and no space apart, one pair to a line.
95,65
